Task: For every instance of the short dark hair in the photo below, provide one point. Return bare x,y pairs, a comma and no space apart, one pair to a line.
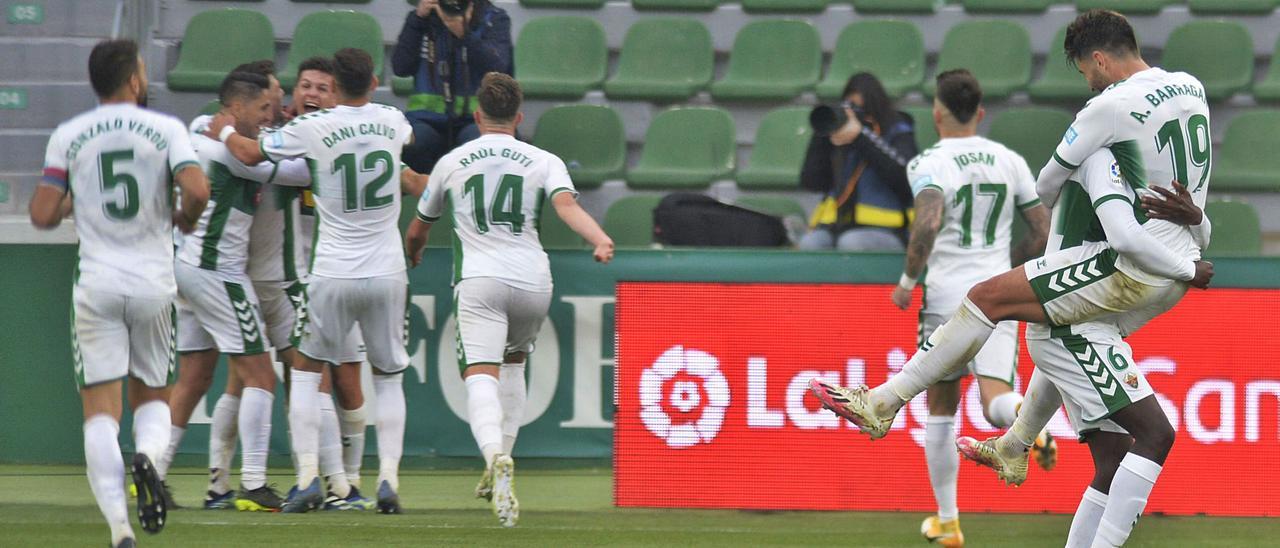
265,68
353,71
317,63
1099,29
500,97
242,85
959,91
111,64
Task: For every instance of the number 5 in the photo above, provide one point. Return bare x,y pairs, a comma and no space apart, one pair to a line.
110,177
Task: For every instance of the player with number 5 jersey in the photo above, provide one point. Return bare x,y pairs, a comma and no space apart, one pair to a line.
494,188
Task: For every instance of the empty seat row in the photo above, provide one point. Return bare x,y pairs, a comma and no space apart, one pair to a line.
925,6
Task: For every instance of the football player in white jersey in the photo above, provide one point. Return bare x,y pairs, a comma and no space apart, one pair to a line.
114,165
358,273
966,189
1089,367
502,280
1083,283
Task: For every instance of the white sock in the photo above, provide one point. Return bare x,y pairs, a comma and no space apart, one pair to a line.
1039,404
175,439
151,429
351,422
390,427
255,436
105,467
512,392
484,411
951,345
944,463
331,448
222,442
1085,525
1003,409
304,423
1129,491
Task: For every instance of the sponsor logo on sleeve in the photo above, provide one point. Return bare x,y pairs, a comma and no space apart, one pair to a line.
1071,135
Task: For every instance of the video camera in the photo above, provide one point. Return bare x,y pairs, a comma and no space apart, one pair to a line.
454,8
827,119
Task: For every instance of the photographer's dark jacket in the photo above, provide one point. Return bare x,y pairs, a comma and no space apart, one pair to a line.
433,56
865,181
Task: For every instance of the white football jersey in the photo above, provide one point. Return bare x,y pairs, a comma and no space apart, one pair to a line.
220,240
983,183
354,155
495,186
1156,124
119,160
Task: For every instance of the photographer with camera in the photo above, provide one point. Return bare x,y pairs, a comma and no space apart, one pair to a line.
447,46
858,159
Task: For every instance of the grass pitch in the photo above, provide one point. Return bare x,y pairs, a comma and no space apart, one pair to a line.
51,506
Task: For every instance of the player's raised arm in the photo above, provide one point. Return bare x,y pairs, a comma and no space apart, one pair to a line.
248,151
573,215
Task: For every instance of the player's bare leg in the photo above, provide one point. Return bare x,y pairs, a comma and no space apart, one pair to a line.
195,375
1138,470
223,432
304,432
943,463
259,380
1107,450
485,411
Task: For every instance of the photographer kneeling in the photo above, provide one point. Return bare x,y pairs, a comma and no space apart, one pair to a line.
858,159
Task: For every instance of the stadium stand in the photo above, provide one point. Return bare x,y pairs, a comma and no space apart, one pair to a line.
1059,81
215,42
1032,132
629,221
778,151
685,148
1006,6
675,5
325,32
1269,88
895,6
554,233
561,57
781,207
1125,6
573,4
926,132
1219,53
1248,160
997,52
771,60
890,49
589,138
785,6
663,59
1236,229
1218,7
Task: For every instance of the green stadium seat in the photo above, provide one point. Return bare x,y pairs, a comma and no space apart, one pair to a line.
1131,7
784,6
629,220
402,86
1269,88
1246,7
1060,80
589,138
1248,159
778,152
665,59
211,108
686,148
332,1
1006,6
675,5
552,231
568,4
891,50
926,132
325,32
441,234
895,6
1033,132
997,52
561,56
1219,53
1236,229
215,42
771,60
778,207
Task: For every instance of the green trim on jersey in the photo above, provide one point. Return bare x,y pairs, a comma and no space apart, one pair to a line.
459,348
246,318
262,149
456,241
538,200
1064,163
1077,221
1104,382
1129,158
284,199
1073,277
425,218
227,192
1028,205
1110,197
183,165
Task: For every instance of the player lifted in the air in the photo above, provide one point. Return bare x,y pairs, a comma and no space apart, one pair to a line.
358,273
966,189
113,166
496,186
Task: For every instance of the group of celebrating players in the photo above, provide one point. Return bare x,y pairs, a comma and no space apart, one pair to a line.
290,242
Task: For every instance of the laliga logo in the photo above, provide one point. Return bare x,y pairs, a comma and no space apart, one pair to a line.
693,380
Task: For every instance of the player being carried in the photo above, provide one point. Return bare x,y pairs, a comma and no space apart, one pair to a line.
502,280
358,273
966,191
1155,124
116,163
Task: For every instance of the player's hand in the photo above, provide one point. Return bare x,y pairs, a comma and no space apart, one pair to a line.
184,225
290,112
604,251
1204,273
1175,206
850,131
901,297
425,7
416,258
219,121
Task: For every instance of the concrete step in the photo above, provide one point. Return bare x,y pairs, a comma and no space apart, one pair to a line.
28,59
48,105
87,18
22,151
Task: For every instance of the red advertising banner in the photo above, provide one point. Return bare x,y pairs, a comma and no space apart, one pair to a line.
714,412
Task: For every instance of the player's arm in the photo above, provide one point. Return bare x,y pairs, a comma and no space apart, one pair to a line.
412,182
1032,245
573,215
293,172
929,206
1178,207
1128,238
222,128
195,195
1093,129
430,208
49,205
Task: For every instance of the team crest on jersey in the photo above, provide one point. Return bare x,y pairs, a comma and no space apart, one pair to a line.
1071,136
1131,380
1116,176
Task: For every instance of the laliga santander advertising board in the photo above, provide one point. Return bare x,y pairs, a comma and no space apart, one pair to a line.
714,411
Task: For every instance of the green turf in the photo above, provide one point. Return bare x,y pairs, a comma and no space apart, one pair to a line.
50,506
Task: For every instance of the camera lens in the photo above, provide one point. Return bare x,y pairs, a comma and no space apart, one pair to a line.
826,119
